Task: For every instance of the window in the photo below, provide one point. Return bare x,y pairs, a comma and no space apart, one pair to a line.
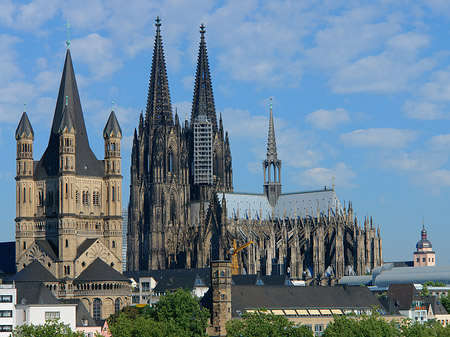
117,305
67,190
113,194
24,245
52,315
24,194
40,198
96,198
97,309
145,286
85,197
114,244
5,313
6,298
318,330
423,259
5,327
77,196
418,260
67,243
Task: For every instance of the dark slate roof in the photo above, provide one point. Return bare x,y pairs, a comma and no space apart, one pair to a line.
173,281
277,297
66,120
112,127
86,163
84,246
166,274
8,260
81,314
100,271
260,280
402,295
49,248
24,128
34,272
34,293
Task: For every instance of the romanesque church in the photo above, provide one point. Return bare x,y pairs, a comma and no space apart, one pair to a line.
183,212
68,208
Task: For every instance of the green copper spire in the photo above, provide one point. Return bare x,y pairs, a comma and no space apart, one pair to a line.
68,25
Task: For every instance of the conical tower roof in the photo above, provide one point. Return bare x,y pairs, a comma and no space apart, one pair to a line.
24,128
159,108
112,127
271,142
86,162
203,102
66,120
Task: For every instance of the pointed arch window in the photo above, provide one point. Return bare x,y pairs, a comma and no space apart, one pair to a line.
24,194
117,305
170,161
113,192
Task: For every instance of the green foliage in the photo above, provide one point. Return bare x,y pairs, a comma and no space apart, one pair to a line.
176,314
424,291
265,324
51,328
434,284
427,329
363,326
445,300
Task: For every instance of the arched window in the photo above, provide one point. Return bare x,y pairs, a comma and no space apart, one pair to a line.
24,245
40,198
114,244
67,243
173,208
113,194
24,194
117,305
170,161
97,309
67,190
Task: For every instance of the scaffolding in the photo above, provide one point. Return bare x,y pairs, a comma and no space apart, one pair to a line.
203,159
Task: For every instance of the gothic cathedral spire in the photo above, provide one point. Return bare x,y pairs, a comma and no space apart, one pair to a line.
159,108
203,103
272,165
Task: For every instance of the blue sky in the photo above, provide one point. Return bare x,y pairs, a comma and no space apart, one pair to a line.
361,92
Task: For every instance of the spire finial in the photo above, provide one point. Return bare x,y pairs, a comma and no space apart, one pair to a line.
333,179
24,107
202,30
271,105
68,26
158,23
112,106
67,100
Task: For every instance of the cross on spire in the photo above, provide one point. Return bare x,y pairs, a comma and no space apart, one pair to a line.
158,23
68,26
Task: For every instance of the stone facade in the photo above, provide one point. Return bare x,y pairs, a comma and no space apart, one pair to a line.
68,204
183,212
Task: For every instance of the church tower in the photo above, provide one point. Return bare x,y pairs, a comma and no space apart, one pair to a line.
159,174
211,153
424,254
62,202
272,165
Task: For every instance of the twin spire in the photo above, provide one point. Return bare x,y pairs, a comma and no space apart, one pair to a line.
159,108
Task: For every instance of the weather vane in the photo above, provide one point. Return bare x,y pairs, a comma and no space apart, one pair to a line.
68,25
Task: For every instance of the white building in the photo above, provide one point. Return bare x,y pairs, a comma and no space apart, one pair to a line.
8,297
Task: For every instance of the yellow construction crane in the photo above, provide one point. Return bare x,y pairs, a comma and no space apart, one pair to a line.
234,258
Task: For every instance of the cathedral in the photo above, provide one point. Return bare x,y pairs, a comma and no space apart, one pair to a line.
183,212
68,208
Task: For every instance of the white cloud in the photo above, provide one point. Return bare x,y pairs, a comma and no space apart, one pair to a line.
98,53
328,119
384,138
439,178
321,176
438,89
422,110
439,143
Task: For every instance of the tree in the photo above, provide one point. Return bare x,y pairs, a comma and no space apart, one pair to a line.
51,328
361,326
445,300
424,292
176,314
262,323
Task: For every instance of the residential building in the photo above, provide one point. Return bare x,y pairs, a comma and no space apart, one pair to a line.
8,300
